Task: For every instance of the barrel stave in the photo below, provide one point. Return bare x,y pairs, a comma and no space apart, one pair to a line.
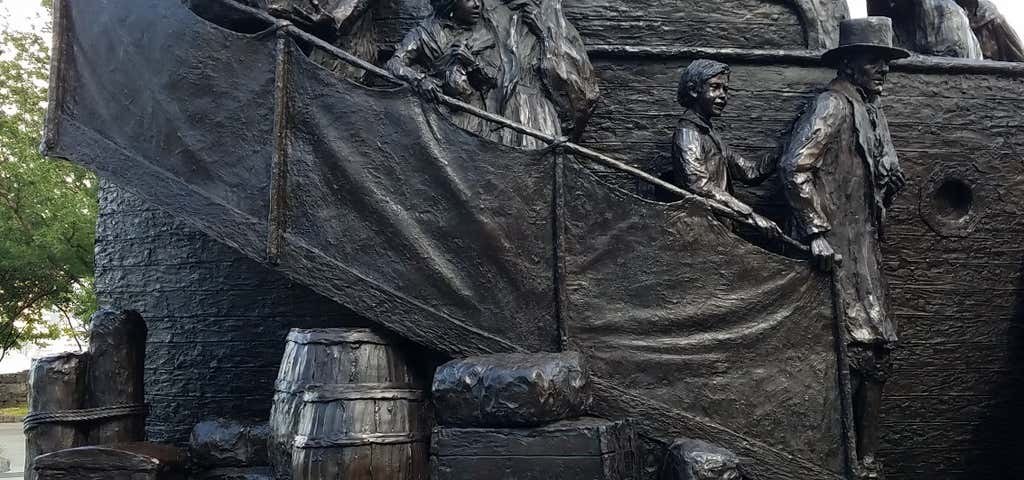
348,405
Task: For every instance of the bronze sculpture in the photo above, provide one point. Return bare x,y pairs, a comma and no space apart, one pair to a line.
547,81
929,27
520,59
347,24
452,52
703,163
998,39
691,459
841,172
427,231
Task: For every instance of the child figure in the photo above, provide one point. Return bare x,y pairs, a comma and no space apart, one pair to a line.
702,162
452,52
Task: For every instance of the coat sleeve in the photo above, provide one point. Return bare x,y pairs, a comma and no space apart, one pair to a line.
814,136
751,172
404,63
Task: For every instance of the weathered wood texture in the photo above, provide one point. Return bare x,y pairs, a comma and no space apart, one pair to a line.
57,383
347,403
363,432
581,449
217,320
129,461
723,23
117,357
956,282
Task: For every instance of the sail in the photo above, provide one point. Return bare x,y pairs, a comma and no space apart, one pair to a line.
668,302
372,198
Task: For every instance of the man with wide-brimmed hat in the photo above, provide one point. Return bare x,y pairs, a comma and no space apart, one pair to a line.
840,173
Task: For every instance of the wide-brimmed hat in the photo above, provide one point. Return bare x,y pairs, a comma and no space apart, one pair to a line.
871,33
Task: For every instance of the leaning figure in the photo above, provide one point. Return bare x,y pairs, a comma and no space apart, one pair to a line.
840,172
930,27
451,53
999,41
702,162
346,24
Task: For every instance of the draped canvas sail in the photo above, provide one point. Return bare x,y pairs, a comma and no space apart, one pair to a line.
374,199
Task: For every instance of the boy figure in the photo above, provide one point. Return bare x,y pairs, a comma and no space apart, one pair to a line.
702,162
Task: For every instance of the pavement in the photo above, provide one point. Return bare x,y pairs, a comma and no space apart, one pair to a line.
12,447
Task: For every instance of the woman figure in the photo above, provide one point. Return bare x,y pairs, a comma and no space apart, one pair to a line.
452,52
546,82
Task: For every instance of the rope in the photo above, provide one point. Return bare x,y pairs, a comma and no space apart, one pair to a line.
551,140
33,420
273,29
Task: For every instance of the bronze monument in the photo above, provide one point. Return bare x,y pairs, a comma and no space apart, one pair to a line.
464,188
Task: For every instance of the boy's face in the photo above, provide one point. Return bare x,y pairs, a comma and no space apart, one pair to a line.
714,95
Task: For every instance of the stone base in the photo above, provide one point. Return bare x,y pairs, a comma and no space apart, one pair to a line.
581,449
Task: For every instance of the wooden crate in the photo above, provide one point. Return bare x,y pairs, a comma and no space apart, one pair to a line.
581,449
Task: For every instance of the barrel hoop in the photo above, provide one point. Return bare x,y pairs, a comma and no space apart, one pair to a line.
36,419
298,388
330,393
336,337
356,439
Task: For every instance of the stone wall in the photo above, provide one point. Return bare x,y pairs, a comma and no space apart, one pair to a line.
13,389
217,320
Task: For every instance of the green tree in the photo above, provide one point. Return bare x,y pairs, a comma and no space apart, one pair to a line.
47,207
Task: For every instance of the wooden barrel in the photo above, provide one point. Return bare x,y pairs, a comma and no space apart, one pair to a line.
366,431
335,359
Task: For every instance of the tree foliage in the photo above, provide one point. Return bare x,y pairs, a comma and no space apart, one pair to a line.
47,207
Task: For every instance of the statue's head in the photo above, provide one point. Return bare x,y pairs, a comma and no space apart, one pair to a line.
704,87
466,12
864,52
866,69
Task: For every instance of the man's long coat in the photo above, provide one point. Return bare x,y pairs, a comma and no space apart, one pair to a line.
836,171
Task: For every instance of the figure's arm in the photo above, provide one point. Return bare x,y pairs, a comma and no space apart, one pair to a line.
801,164
815,133
688,158
752,172
405,64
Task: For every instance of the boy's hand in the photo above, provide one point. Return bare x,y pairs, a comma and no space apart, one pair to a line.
767,227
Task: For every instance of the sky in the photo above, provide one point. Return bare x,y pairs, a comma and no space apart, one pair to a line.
22,11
